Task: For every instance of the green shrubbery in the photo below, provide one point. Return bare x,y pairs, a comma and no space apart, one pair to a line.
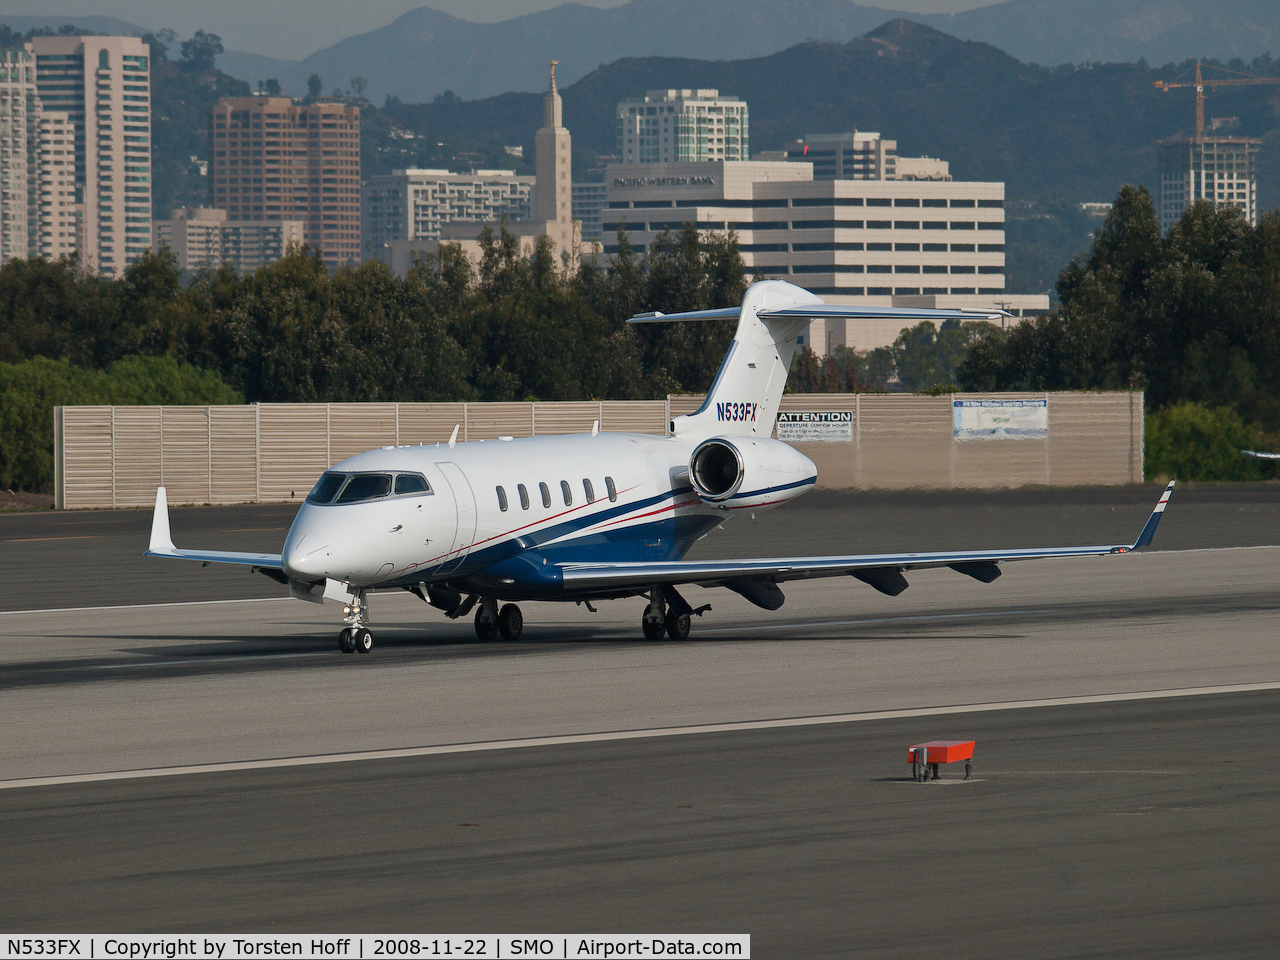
1190,441
29,391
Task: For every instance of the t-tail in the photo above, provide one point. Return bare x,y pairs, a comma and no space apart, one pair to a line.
744,397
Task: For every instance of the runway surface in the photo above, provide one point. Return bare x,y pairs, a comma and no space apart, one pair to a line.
750,780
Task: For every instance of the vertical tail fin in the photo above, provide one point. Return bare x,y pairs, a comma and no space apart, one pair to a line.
744,397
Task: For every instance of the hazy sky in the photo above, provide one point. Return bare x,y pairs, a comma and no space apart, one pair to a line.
295,28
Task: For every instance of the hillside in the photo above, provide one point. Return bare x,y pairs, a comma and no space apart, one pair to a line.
425,52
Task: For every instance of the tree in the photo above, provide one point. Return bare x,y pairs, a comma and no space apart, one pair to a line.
201,51
273,87
314,85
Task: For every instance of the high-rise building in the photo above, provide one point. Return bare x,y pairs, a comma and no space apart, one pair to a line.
204,239
103,85
682,126
1221,170
19,194
417,204
56,226
273,159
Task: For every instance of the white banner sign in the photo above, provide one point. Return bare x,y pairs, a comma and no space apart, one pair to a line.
1000,420
826,426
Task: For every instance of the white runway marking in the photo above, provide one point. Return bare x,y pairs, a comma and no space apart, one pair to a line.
615,735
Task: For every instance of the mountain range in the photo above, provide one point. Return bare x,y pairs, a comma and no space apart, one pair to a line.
425,52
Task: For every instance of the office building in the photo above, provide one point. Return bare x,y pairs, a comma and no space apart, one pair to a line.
103,86
1220,170
877,242
273,159
416,204
19,194
682,126
205,239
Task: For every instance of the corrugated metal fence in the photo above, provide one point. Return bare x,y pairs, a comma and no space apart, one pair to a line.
272,452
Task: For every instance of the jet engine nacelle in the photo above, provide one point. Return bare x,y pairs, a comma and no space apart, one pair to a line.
734,473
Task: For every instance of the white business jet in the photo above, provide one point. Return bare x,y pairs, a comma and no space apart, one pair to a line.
591,516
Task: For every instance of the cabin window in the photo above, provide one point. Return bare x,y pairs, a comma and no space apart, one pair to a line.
524,496
587,489
411,483
568,494
546,495
326,487
613,490
502,499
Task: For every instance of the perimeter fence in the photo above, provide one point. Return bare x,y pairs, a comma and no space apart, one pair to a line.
116,456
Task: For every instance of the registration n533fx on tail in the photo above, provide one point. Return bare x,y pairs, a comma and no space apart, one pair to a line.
598,516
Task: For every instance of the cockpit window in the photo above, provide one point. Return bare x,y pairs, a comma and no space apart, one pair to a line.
411,483
365,486
334,487
326,487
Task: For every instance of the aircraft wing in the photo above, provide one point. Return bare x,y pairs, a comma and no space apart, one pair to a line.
162,543
1259,455
882,571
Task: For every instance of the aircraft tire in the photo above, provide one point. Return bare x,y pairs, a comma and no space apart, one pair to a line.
510,623
486,625
678,627
653,629
345,642
363,640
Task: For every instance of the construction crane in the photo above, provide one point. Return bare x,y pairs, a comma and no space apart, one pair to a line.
1241,80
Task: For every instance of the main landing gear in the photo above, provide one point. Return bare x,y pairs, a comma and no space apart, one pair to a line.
355,636
492,622
668,614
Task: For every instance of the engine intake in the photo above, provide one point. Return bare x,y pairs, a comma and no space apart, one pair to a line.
749,472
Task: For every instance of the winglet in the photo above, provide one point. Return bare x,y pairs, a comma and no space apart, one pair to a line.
1149,530
161,539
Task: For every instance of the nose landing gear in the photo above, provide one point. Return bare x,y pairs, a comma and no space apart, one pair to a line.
355,636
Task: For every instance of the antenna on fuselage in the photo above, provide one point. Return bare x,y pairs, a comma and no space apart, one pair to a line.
453,437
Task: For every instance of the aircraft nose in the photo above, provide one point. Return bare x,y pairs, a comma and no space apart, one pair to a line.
305,555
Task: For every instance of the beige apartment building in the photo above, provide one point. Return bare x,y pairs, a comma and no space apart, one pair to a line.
273,159
205,239
415,204
56,226
102,86
921,243
18,190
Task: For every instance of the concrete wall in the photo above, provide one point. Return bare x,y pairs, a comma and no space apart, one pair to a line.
273,452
